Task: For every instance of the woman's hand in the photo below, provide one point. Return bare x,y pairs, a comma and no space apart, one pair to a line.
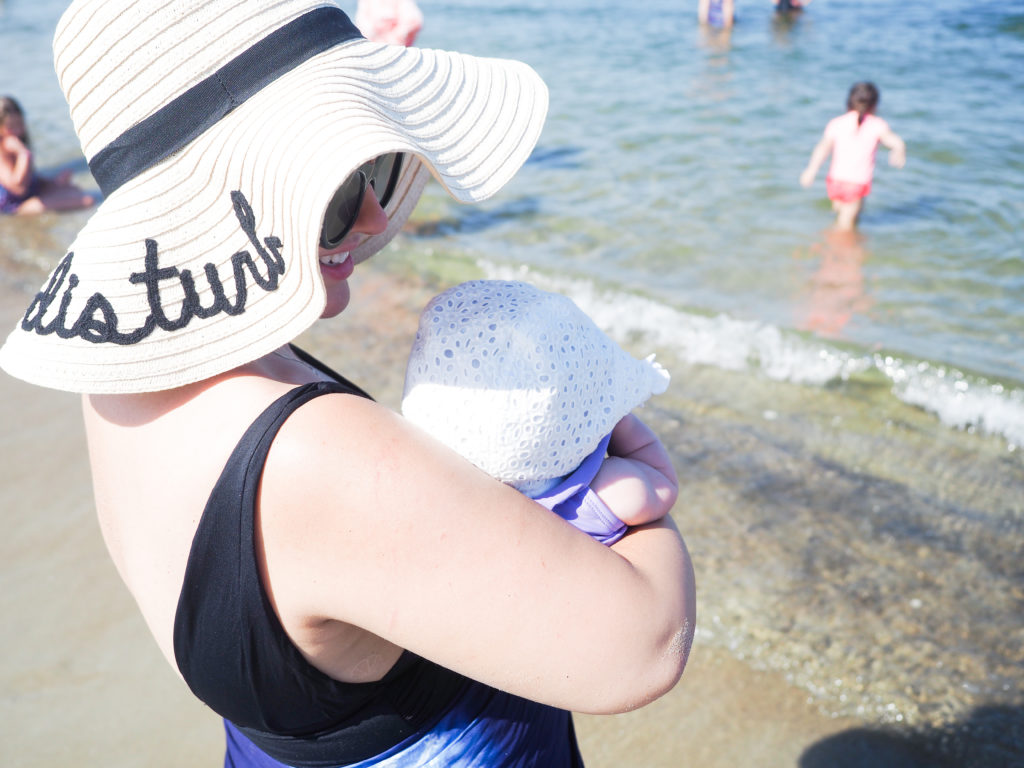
636,481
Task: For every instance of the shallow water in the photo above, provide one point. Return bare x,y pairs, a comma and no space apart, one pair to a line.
670,160
845,411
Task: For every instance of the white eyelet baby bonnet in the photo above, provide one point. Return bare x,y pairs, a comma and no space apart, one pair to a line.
218,130
520,381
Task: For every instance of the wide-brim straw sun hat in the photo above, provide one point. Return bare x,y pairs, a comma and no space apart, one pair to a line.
218,131
520,381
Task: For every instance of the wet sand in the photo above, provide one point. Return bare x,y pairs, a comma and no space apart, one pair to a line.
83,682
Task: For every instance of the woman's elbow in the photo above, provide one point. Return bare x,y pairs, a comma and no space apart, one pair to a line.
654,667
634,688
672,637
666,667
648,643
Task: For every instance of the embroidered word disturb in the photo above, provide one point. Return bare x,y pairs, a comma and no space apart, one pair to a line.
98,321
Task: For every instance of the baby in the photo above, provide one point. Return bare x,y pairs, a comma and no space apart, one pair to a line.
523,384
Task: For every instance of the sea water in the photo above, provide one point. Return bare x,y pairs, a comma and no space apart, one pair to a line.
847,411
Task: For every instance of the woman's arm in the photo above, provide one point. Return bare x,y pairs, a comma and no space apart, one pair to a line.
367,520
15,165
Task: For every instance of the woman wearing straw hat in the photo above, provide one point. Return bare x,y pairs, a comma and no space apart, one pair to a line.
340,587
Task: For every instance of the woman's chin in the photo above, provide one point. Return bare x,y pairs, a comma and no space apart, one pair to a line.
337,299
335,271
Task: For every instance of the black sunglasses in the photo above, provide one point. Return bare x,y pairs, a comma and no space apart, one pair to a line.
343,210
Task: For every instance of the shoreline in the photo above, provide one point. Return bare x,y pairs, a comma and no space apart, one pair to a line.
78,652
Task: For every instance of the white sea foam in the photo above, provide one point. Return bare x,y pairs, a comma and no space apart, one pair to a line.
957,399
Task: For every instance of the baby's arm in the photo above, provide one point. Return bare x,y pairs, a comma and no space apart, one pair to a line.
897,149
636,481
821,151
16,165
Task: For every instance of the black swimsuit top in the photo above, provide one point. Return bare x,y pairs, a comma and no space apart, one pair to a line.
236,657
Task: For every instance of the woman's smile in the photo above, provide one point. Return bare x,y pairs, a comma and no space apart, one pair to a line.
337,265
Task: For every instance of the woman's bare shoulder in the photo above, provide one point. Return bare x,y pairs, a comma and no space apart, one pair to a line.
369,521
154,458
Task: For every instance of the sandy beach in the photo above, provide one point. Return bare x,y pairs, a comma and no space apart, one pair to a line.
84,683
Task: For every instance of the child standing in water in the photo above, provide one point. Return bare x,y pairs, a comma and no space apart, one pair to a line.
22,190
852,139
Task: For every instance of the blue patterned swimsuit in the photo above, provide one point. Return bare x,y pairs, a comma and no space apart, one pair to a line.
281,711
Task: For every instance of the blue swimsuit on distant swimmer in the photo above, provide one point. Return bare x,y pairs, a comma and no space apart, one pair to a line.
278,709
716,14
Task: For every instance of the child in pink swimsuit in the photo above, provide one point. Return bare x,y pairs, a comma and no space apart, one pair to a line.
852,139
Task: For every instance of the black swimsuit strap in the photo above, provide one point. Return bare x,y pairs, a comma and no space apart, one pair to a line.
235,655
323,368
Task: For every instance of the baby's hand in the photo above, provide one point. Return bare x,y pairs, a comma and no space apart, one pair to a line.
897,157
636,481
807,178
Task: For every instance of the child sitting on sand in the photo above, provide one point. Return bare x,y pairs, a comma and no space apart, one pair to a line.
852,139
22,190
523,384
